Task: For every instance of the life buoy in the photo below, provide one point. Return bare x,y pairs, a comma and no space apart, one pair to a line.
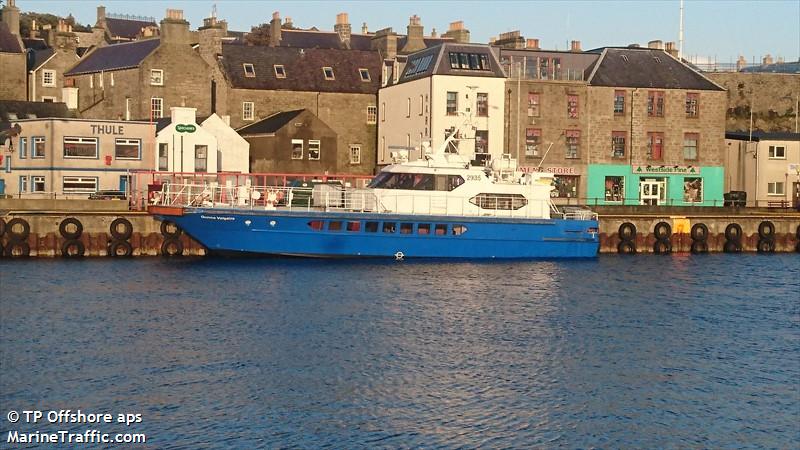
171,247
73,248
662,230
626,248
3,227
733,232
399,256
765,246
64,226
170,229
17,249
273,197
662,247
117,248
699,232
699,247
627,231
732,247
766,230
16,234
126,229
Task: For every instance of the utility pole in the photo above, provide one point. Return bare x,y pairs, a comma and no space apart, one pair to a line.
680,35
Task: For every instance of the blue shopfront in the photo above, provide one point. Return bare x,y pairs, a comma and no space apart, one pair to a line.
655,185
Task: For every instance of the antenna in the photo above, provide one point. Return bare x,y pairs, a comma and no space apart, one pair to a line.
680,35
214,11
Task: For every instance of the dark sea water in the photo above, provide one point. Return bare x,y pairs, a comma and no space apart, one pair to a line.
619,352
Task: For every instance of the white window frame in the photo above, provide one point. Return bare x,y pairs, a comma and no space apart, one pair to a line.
91,81
311,144
772,188
34,141
160,107
298,155
408,107
355,154
248,115
156,80
280,71
23,148
81,140
23,184
325,73
128,141
372,114
52,75
773,152
364,74
249,73
111,79
79,180
49,98
38,180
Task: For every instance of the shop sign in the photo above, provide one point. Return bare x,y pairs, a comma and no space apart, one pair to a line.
182,128
649,170
553,170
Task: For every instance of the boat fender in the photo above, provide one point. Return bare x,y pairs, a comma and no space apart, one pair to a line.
273,197
663,230
18,236
733,232
627,231
170,229
626,248
662,247
121,228
73,248
63,228
699,232
732,247
766,230
118,248
17,249
171,247
399,256
766,246
699,247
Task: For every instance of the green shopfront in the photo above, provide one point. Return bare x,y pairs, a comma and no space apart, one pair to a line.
655,185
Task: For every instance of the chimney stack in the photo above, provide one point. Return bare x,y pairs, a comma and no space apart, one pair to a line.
433,33
575,46
658,45
457,32
288,22
385,42
364,29
670,48
11,17
342,28
174,29
767,59
275,30
532,44
414,37
101,17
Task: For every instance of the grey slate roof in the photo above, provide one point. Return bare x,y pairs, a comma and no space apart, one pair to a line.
303,68
8,41
322,39
762,136
37,58
646,68
438,62
34,43
271,124
9,109
787,67
115,57
125,28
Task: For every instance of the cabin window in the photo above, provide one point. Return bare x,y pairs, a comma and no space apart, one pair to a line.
389,227
499,201
316,225
459,230
335,225
440,230
371,227
424,228
406,228
353,225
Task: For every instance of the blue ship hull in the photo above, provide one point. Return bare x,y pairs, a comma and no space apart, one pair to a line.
343,234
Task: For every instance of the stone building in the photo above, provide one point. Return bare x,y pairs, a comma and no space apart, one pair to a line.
48,59
766,166
142,79
118,28
12,56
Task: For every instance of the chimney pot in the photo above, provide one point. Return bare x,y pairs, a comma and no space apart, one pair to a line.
532,44
575,46
364,29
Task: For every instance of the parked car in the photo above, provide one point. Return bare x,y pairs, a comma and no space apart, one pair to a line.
108,195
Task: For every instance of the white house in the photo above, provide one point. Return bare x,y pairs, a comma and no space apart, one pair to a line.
233,151
440,88
765,165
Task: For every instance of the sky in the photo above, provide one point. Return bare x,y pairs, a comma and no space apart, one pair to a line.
716,30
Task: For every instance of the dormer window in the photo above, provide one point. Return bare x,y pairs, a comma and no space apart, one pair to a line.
249,70
280,72
364,74
328,72
156,77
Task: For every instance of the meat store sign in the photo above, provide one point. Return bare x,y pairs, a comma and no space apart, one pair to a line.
553,170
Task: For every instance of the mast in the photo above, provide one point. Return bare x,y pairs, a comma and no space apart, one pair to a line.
680,35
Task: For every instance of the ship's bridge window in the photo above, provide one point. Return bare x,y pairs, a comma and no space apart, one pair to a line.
334,225
459,230
448,182
407,181
499,201
389,227
371,227
406,228
316,225
441,229
424,228
353,225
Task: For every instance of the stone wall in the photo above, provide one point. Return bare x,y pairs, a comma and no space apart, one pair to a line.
773,96
12,76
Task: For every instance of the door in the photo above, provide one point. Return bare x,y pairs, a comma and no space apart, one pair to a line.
796,194
124,180
652,191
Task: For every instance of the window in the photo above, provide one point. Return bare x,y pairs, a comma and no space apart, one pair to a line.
572,106
418,65
156,77
499,201
297,149
424,228
406,227
364,74
80,147
49,78
566,186
48,99
655,103
615,189
355,154
533,137
421,104
655,146
353,225
313,150
127,148
371,227
619,103
690,145
23,184
483,104
452,103
408,107
573,144
37,184
247,111
200,158
533,104
775,152
328,72
316,225
775,188
162,156
469,61
383,112
618,144
249,70
280,71
693,190
79,185
156,108
457,229
8,164
389,227
482,141
454,60
440,229
111,78
372,114
37,147
91,81
23,148
544,69
692,100
335,225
